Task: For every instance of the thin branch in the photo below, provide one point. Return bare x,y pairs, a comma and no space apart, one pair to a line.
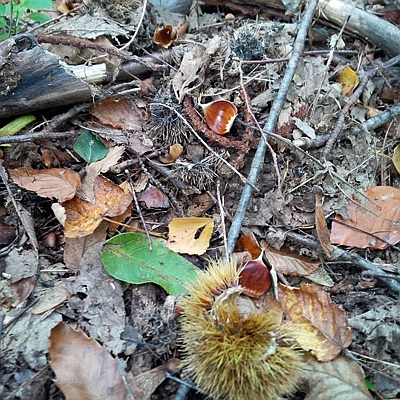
354,258
276,108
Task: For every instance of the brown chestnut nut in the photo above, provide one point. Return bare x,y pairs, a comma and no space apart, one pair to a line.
255,278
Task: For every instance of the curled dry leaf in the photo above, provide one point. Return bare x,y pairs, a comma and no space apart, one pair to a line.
248,243
58,183
83,217
175,151
84,369
190,235
289,263
321,326
320,223
168,35
367,224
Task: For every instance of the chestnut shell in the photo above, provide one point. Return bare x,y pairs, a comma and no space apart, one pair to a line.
255,278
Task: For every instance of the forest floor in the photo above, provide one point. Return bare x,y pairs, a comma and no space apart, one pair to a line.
308,174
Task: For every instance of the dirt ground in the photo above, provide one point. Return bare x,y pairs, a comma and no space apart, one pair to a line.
308,169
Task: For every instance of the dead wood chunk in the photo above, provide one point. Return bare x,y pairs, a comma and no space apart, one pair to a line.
33,79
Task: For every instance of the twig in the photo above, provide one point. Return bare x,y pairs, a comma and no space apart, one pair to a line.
30,137
354,258
84,43
276,108
24,310
138,210
222,214
127,45
364,78
32,238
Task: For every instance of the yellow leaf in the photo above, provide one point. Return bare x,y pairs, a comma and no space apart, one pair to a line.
190,235
349,79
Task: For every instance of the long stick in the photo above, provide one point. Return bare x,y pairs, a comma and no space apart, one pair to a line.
276,108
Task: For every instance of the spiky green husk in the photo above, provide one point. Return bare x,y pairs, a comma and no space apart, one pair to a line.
231,354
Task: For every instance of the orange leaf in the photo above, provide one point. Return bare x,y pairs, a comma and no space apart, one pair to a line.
83,217
85,370
175,151
321,326
349,79
190,235
59,183
248,243
379,217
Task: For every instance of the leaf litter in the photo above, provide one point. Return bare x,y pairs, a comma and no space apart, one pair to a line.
121,321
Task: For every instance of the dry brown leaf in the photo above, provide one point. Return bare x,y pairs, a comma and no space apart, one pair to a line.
154,197
320,223
340,379
190,235
58,183
175,152
83,217
289,263
119,114
321,326
84,369
379,217
149,381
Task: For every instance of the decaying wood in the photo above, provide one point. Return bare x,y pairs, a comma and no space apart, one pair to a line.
368,26
33,79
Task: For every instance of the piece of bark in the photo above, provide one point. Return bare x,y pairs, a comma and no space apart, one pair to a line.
364,24
33,79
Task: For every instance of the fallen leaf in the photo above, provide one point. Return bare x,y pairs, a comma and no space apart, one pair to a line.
16,125
320,223
84,369
321,326
149,381
289,263
119,114
175,151
154,197
396,158
379,217
58,183
248,243
127,257
90,147
190,235
349,79
83,217
339,379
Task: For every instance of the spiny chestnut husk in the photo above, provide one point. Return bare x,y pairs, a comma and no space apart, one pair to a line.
232,350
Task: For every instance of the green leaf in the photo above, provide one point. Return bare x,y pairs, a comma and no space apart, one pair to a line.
39,17
36,4
370,385
127,257
89,147
15,126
